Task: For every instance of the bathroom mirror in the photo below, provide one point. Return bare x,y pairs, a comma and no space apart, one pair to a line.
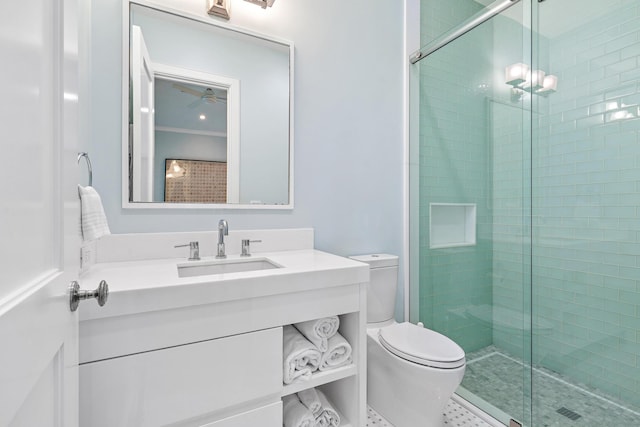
202,93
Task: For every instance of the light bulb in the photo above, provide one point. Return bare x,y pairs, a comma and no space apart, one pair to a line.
515,74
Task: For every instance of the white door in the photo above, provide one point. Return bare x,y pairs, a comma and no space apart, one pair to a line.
39,212
143,94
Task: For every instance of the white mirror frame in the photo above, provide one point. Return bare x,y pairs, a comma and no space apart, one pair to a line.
232,149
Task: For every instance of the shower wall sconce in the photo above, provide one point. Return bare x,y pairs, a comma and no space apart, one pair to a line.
262,3
221,8
523,79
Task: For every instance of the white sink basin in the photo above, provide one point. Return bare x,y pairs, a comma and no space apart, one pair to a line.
225,266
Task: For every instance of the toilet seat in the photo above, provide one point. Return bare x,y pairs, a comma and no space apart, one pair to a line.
422,346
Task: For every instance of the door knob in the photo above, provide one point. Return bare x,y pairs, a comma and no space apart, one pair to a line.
101,293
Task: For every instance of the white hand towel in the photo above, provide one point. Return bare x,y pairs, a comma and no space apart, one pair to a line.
329,416
295,414
320,330
311,400
93,220
301,358
338,354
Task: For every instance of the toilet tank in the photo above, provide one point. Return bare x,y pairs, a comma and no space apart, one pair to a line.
383,281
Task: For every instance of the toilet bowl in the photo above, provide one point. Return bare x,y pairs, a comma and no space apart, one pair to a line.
411,371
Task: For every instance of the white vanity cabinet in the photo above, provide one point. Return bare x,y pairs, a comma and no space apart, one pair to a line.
208,352
182,385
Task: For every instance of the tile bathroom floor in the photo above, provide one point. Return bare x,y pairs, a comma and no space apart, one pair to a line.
497,378
454,416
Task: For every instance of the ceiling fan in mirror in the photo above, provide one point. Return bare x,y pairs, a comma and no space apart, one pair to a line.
208,96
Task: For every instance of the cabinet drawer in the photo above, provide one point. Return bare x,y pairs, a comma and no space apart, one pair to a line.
175,384
266,416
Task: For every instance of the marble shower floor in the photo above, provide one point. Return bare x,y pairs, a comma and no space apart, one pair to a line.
497,378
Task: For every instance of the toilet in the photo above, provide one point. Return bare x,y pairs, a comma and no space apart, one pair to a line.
411,371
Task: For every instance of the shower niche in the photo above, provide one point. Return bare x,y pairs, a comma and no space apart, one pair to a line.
452,225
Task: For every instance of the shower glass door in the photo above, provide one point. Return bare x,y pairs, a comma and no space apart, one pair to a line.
586,215
525,205
471,191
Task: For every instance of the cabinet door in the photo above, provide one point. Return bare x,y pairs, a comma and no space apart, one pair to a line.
180,383
266,416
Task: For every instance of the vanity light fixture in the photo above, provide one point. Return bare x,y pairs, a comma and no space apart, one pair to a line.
203,117
221,8
262,3
522,79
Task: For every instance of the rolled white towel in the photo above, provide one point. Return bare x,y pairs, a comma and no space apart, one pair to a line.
295,414
301,358
92,217
311,400
338,354
320,330
329,416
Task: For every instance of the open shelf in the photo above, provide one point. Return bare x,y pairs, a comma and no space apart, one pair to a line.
344,422
319,378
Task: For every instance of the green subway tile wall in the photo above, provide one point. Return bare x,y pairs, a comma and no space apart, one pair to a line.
586,205
453,169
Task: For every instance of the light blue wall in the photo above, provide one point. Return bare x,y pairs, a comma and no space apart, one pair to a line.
348,123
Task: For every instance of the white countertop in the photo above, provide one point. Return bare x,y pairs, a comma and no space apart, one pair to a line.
150,285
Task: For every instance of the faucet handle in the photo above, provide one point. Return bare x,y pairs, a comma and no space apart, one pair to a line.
245,246
194,250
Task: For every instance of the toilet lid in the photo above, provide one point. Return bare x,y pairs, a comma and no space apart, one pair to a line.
422,346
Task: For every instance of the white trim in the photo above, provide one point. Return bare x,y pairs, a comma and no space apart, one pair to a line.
124,103
411,43
191,131
141,66
156,205
291,121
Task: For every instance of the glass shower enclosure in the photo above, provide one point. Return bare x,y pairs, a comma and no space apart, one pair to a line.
525,203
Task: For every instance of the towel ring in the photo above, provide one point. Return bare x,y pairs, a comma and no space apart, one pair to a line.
85,155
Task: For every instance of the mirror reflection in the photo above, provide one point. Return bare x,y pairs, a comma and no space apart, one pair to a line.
208,114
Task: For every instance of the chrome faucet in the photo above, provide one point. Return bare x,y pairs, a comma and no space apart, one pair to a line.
245,246
194,250
223,230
